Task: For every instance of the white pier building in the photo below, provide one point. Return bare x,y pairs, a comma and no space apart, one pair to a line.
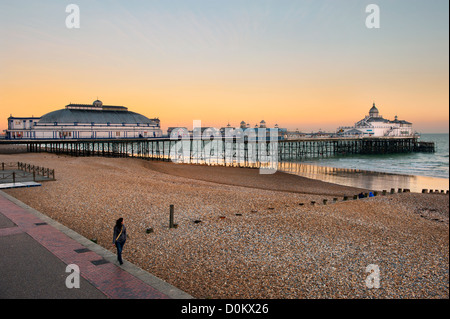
85,121
374,125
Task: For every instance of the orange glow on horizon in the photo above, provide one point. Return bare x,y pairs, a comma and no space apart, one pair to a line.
216,108
320,68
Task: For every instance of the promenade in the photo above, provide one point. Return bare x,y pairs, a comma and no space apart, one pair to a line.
35,253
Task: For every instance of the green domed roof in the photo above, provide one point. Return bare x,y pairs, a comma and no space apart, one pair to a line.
97,113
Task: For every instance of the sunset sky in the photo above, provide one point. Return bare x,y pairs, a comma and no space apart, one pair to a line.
306,64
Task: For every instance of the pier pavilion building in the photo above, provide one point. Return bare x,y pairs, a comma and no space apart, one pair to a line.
244,129
85,121
374,125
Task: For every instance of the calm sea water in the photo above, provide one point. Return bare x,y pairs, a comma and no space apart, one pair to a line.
422,164
414,171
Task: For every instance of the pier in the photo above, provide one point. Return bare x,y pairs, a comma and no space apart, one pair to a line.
223,151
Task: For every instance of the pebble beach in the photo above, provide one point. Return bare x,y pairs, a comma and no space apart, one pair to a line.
242,235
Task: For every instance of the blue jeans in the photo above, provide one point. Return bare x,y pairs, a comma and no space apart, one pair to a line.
119,251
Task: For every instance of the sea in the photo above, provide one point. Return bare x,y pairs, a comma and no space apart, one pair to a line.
414,171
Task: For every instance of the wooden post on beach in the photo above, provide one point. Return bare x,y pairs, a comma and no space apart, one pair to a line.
172,209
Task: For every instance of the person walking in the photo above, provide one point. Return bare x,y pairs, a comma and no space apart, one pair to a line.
119,239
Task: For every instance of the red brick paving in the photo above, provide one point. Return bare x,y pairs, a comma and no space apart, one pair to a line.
110,279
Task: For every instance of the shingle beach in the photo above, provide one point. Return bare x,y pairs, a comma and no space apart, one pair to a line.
245,235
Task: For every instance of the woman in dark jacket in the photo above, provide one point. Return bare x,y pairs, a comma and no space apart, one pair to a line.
120,237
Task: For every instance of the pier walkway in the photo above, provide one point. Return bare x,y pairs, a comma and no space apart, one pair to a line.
37,250
227,151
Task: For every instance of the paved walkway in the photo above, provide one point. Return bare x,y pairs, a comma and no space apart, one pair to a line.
35,252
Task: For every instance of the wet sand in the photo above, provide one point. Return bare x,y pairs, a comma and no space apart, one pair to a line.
375,181
12,148
245,235
246,177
